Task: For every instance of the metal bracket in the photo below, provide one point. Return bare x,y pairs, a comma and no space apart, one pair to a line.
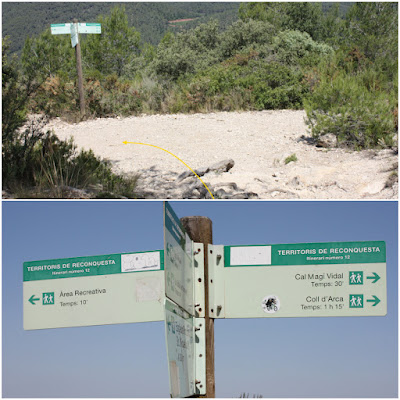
216,282
200,356
199,297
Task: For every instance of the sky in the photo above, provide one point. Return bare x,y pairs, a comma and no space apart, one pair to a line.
272,357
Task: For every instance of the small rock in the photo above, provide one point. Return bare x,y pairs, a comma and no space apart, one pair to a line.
328,140
228,185
222,166
295,181
220,193
183,176
245,195
200,172
239,196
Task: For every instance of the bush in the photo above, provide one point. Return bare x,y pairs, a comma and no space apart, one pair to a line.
360,116
294,47
290,159
245,82
37,161
113,96
14,94
188,52
57,96
248,35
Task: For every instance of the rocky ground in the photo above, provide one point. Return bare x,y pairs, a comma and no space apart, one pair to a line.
237,155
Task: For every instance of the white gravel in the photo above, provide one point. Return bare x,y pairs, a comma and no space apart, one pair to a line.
258,142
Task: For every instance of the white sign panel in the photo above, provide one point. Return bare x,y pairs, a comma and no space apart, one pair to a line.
83,27
60,29
251,255
140,261
342,279
180,336
97,290
86,27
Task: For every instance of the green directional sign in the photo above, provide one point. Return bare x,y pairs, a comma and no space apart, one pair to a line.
299,280
82,27
179,266
97,290
305,254
60,29
87,27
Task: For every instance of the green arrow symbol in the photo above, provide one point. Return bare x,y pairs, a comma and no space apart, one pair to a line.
33,299
375,300
375,277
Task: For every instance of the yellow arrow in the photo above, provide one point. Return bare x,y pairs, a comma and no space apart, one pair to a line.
152,145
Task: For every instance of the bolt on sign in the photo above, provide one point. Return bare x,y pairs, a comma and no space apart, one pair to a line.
97,290
299,280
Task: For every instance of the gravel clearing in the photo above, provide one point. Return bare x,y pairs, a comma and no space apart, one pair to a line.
257,142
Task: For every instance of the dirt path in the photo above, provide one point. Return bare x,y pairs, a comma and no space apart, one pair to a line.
258,142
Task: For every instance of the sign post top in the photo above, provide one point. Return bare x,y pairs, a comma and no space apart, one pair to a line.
82,27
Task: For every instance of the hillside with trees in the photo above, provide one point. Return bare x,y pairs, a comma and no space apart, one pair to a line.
20,20
342,69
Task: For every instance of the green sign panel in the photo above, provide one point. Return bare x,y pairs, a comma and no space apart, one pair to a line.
179,266
300,280
305,254
98,290
94,265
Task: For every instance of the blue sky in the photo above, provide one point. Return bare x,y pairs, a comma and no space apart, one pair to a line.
273,357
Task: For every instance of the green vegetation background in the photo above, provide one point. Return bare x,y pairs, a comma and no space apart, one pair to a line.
339,63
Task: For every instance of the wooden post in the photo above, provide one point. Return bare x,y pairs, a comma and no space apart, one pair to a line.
80,75
199,230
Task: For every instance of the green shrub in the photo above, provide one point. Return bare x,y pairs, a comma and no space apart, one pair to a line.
294,47
245,35
359,115
14,94
56,97
113,96
253,83
186,53
290,159
35,160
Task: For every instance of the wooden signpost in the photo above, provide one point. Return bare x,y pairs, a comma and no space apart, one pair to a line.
74,29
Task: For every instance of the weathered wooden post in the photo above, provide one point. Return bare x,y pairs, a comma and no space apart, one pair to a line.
75,41
74,29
